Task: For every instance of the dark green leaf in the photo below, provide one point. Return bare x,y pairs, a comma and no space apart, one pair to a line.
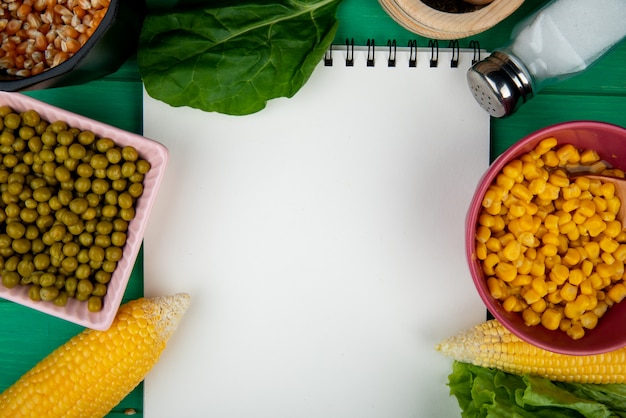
233,59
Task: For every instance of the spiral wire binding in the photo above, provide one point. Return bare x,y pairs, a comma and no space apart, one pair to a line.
391,58
349,52
371,52
412,53
454,45
475,45
433,45
434,52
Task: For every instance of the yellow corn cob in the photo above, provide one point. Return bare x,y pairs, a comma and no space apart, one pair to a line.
91,373
491,345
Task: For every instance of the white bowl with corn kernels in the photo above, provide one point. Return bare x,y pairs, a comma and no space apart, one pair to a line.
550,288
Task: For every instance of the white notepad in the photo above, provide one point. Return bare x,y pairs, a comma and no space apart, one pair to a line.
322,242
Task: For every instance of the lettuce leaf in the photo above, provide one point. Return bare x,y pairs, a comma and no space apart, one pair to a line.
234,56
483,392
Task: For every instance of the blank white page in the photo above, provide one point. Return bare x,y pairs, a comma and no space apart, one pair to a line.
322,243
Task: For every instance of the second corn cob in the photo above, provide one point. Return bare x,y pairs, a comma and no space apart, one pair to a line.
490,345
91,373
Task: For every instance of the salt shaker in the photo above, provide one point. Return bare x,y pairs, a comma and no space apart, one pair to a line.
561,39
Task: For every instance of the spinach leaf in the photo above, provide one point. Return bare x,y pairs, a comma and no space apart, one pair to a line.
234,58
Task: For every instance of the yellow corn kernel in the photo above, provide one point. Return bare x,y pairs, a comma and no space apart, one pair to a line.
620,252
576,277
496,288
538,268
587,208
578,218
559,180
521,280
530,296
549,250
600,309
551,318
489,264
531,318
550,159
483,234
486,220
568,154
524,266
505,182
95,370
516,210
621,238
573,191
527,239
539,306
559,274
617,292
593,250
586,288
571,205
600,203
571,257
589,320
605,270
551,222
506,238
568,292
613,229
573,310
596,281
505,271
495,208
589,156
512,250
531,171
554,298
481,251
608,190
493,244
594,225
539,285
521,192
576,332
499,224
514,170
550,239
550,192
545,145
512,304
613,205
493,194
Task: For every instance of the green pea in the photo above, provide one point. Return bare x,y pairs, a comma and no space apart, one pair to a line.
61,299
83,271
32,232
102,241
15,230
129,153
44,222
57,126
99,161
110,211
104,144
28,215
62,173
33,292
69,264
41,261
37,246
120,225
86,137
99,289
10,160
113,253
113,172
114,155
65,138
96,253
21,245
70,249
109,266
118,238
35,144
84,287
70,285
128,169
99,186
83,256
61,153
82,185
31,118
94,304
10,279
119,185
26,132
12,121
125,200
47,279
48,293
84,170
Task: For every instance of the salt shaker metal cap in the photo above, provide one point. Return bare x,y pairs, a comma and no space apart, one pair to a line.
499,84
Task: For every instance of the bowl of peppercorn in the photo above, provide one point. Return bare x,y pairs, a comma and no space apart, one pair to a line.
449,19
50,43
75,198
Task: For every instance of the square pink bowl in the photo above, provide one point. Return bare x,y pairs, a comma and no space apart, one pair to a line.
155,153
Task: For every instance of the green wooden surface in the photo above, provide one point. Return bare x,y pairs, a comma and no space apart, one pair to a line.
26,336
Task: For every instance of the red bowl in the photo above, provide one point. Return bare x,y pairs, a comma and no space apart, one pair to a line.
610,334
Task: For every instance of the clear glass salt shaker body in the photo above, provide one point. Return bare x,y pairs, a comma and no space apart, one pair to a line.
561,39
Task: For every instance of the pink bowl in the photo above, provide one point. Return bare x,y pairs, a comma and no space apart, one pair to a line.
610,334
155,153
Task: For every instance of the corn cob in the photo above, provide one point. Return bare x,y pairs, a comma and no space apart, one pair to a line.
490,345
91,373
